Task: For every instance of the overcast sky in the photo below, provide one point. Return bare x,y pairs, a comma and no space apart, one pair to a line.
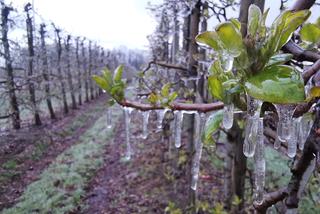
115,22
111,22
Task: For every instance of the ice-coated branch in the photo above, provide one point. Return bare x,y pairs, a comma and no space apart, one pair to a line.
200,107
270,199
164,64
307,74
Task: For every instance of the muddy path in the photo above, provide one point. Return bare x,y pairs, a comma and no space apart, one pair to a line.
24,154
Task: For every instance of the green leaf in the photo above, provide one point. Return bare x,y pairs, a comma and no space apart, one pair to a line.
314,93
292,22
118,74
209,38
173,96
101,82
262,31
277,84
236,23
231,38
165,90
215,68
107,75
215,87
153,98
211,126
254,20
310,33
279,59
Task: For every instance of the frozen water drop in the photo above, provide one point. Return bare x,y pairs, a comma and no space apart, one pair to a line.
178,128
199,121
306,123
226,62
251,129
284,129
145,118
109,115
160,116
227,121
259,164
127,119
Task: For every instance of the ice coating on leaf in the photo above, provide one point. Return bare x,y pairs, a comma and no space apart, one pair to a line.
251,129
178,126
285,113
145,118
199,121
305,126
227,120
127,119
226,62
259,164
160,116
109,115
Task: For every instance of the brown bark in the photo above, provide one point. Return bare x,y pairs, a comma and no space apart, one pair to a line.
30,82
14,106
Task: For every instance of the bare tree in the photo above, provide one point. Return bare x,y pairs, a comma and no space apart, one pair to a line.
30,80
14,106
68,71
45,70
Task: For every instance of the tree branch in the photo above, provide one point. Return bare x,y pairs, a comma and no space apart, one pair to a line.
311,71
270,199
164,64
299,53
201,107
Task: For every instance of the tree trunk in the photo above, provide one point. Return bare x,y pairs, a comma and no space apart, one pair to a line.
45,69
192,71
85,71
30,82
90,71
69,75
14,106
79,72
60,76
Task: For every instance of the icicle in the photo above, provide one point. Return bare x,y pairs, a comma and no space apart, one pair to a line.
295,136
292,211
160,116
284,128
109,115
127,112
145,118
227,121
260,164
199,121
178,127
251,130
277,143
305,127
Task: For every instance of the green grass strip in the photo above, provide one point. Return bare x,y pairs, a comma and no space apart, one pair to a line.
61,186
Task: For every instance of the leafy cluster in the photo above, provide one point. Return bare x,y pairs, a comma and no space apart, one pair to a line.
252,64
114,85
165,97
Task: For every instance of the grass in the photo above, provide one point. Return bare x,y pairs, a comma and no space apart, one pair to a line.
61,186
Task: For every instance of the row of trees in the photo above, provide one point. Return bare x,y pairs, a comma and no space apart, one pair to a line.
46,66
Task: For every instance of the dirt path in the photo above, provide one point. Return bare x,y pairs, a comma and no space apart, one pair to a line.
148,182
24,154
